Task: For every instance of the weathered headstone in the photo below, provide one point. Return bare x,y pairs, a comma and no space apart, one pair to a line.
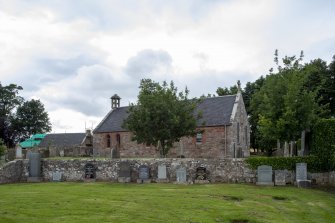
301,175
124,175
34,167
280,177
301,152
113,153
286,150
89,171
264,175
161,177
161,172
57,176
143,174
18,152
181,175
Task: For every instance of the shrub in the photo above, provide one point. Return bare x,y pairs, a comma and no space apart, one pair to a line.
323,142
3,148
314,164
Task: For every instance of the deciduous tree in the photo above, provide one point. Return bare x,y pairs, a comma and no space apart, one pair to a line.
162,114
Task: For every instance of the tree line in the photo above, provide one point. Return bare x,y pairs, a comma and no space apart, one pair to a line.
288,100
19,119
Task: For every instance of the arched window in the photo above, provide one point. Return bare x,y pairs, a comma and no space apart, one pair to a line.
238,132
118,140
108,141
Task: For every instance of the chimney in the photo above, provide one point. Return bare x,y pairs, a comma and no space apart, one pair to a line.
115,101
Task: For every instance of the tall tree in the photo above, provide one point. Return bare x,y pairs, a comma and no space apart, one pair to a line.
161,115
9,99
2,148
284,105
31,118
250,89
225,91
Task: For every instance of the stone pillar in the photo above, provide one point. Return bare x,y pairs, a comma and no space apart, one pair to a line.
291,149
286,150
301,152
18,152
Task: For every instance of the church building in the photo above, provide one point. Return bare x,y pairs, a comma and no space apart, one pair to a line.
226,133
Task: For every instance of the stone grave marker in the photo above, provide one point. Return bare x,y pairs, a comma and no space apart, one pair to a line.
18,152
90,171
161,172
113,153
280,177
143,174
34,167
181,175
301,175
264,175
56,176
201,175
162,177
124,175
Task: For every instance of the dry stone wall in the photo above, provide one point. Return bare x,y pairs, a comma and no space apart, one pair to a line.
217,170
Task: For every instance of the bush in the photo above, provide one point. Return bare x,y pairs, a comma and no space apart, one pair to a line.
323,142
314,164
3,148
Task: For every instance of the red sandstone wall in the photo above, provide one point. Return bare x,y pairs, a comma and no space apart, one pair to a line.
212,146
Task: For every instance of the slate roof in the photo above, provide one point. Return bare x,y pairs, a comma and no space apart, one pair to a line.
216,111
62,139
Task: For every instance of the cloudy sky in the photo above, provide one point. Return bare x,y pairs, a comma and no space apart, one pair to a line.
74,55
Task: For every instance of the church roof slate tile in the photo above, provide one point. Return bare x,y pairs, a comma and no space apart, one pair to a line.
215,111
62,139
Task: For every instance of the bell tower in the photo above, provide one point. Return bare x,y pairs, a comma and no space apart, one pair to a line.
115,101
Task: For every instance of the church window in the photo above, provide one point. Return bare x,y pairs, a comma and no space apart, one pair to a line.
199,138
238,132
118,140
108,141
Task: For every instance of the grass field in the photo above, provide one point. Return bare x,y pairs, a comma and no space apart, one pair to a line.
107,202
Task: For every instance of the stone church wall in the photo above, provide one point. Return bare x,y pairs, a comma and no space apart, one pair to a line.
213,145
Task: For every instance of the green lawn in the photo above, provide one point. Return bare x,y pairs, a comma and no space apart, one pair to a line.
107,202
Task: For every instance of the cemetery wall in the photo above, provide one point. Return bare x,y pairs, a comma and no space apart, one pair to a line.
224,170
13,172
218,170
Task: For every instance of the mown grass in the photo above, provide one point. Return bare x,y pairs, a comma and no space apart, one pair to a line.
107,202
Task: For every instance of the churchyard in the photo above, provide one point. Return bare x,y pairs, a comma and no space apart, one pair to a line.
115,202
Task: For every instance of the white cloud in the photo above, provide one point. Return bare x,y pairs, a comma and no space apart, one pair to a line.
74,55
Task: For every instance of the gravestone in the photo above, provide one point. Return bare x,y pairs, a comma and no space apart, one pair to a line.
264,175
181,175
114,153
280,177
161,178
61,153
143,174
286,150
201,175
56,176
34,167
90,172
301,175
18,152
124,175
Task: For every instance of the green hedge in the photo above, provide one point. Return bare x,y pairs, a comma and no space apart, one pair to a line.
323,141
314,164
